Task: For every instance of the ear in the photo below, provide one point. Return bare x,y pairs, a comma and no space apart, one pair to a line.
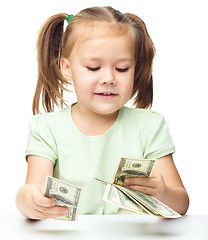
65,68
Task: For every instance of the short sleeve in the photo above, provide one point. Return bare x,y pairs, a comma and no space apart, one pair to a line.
158,140
41,141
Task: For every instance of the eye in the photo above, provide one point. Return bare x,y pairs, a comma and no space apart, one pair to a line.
122,69
93,69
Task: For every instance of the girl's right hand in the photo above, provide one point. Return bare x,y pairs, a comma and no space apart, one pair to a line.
32,203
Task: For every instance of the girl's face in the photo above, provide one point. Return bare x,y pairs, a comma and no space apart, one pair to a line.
102,70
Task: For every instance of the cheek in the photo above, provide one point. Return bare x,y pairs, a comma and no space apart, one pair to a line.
129,83
83,84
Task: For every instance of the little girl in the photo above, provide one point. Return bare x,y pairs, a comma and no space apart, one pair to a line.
108,57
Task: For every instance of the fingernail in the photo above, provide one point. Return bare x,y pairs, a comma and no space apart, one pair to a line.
127,181
65,212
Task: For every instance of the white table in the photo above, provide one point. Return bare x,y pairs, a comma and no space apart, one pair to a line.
105,227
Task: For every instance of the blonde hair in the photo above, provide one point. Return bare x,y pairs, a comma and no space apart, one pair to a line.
53,44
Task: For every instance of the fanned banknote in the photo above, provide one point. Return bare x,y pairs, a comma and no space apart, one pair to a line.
154,206
117,194
114,196
65,195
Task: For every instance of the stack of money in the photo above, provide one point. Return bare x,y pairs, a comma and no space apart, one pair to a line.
65,195
117,194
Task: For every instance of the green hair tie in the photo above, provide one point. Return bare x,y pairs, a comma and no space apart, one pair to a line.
69,18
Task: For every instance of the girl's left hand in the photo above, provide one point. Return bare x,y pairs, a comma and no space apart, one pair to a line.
153,186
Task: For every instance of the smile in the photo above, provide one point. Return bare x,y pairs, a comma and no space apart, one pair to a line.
106,94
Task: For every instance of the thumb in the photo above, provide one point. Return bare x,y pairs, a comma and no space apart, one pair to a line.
40,199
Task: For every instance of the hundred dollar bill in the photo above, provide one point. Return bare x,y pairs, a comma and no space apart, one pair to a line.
147,203
116,197
153,205
110,199
129,167
65,195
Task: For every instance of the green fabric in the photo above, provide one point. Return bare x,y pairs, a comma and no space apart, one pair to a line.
136,133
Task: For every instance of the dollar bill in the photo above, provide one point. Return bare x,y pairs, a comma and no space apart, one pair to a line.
116,197
146,203
154,206
65,195
109,199
129,167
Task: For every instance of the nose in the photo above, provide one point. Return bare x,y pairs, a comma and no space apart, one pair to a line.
108,77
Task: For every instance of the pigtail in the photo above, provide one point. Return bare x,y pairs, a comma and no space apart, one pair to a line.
50,79
145,51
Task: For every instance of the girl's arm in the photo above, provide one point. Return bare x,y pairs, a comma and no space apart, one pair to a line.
165,184
30,198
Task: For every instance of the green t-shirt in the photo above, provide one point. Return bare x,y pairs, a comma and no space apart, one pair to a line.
77,158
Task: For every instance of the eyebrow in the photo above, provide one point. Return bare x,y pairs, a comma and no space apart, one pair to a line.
89,58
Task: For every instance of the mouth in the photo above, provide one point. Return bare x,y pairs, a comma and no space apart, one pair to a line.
106,94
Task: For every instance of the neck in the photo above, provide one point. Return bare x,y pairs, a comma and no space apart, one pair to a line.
92,123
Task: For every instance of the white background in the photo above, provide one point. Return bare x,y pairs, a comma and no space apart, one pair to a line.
179,31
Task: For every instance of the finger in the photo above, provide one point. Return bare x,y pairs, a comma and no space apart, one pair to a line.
142,181
50,212
147,190
41,200
57,211
45,202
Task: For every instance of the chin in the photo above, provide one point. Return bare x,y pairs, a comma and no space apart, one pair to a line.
107,110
